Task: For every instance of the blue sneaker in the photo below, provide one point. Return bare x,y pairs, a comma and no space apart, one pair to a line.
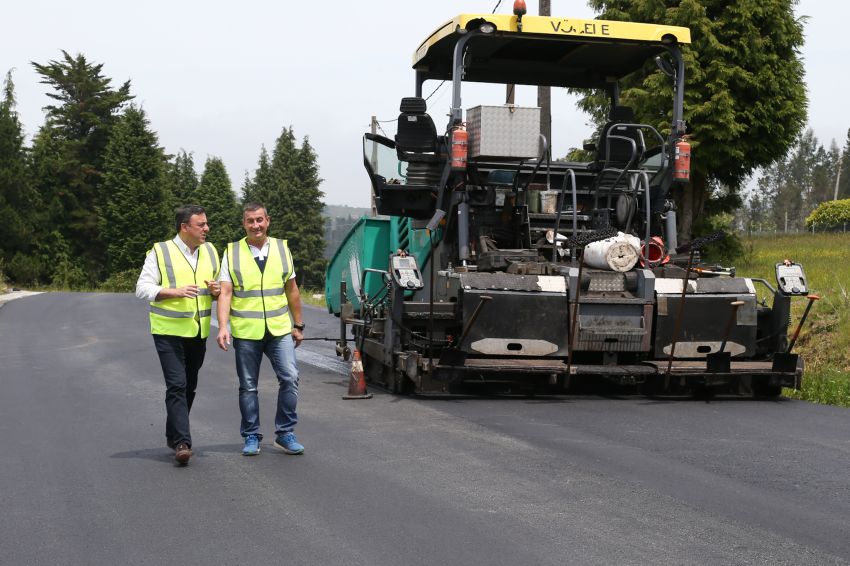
288,443
252,445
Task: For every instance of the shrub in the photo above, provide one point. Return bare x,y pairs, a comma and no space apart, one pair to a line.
69,276
26,269
830,213
121,282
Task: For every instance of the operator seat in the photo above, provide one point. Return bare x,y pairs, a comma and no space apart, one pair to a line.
613,151
416,139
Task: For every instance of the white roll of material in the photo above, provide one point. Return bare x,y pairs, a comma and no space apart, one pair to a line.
619,253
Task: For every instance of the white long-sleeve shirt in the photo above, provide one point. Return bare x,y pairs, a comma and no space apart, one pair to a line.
149,283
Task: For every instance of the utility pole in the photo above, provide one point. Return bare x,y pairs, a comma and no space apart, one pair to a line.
544,93
838,176
374,160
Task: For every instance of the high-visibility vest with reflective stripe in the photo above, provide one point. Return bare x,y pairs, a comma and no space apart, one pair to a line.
259,300
184,316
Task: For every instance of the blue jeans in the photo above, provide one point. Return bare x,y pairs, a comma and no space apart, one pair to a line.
280,350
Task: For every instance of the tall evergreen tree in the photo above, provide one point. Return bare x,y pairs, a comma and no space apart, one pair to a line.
72,143
18,200
247,189
182,179
136,203
307,239
262,185
277,189
288,185
215,194
745,98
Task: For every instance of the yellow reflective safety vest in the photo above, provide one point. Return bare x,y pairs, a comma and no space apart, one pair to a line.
184,316
259,299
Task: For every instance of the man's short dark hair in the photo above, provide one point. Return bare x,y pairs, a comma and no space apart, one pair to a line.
249,206
184,213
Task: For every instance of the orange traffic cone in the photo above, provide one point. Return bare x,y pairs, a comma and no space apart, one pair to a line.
357,383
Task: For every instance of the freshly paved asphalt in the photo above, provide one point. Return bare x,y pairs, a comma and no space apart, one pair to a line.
87,480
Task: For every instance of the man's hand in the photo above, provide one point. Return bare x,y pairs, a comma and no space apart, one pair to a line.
223,338
214,288
297,336
187,292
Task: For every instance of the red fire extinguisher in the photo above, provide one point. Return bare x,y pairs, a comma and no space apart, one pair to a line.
682,160
460,141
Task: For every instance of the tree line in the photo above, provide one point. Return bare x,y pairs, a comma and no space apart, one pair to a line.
82,204
790,188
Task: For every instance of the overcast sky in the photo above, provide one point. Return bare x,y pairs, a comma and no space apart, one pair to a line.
222,78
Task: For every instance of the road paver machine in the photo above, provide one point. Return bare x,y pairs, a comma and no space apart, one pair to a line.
492,266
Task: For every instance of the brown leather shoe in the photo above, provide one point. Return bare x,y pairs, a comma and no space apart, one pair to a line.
182,453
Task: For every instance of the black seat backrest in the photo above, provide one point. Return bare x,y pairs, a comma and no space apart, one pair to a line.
617,152
416,132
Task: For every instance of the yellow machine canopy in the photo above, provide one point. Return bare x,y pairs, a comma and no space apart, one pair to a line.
548,51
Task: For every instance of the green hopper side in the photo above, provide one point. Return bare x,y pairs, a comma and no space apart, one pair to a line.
368,245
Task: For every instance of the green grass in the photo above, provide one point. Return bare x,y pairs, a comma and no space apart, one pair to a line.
313,297
824,342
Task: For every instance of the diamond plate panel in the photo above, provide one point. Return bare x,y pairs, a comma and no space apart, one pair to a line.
507,132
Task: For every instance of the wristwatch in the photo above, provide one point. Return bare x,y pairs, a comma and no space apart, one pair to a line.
300,326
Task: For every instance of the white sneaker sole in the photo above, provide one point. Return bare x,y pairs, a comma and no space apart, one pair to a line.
287,450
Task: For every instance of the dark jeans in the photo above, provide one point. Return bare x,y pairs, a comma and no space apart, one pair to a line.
181,359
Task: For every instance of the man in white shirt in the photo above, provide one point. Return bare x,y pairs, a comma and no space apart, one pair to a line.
260,299
180,311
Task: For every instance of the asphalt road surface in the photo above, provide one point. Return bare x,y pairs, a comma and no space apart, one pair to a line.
87,479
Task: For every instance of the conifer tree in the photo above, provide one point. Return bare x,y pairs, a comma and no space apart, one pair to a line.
262,185
745,98
182,178
136,209
247,189
215,194
276,192
288,185
307,239
71,147
18,200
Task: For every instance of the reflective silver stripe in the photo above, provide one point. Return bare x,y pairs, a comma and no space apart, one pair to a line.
246,314
254,314
169,267
259,293
277,312
203,291
172,314
236,267
247,294
211,253
205,312
283,259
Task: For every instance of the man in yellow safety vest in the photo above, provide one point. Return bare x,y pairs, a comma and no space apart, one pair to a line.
179,281
260,299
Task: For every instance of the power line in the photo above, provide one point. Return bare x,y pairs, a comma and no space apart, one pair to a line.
499,3
435,90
